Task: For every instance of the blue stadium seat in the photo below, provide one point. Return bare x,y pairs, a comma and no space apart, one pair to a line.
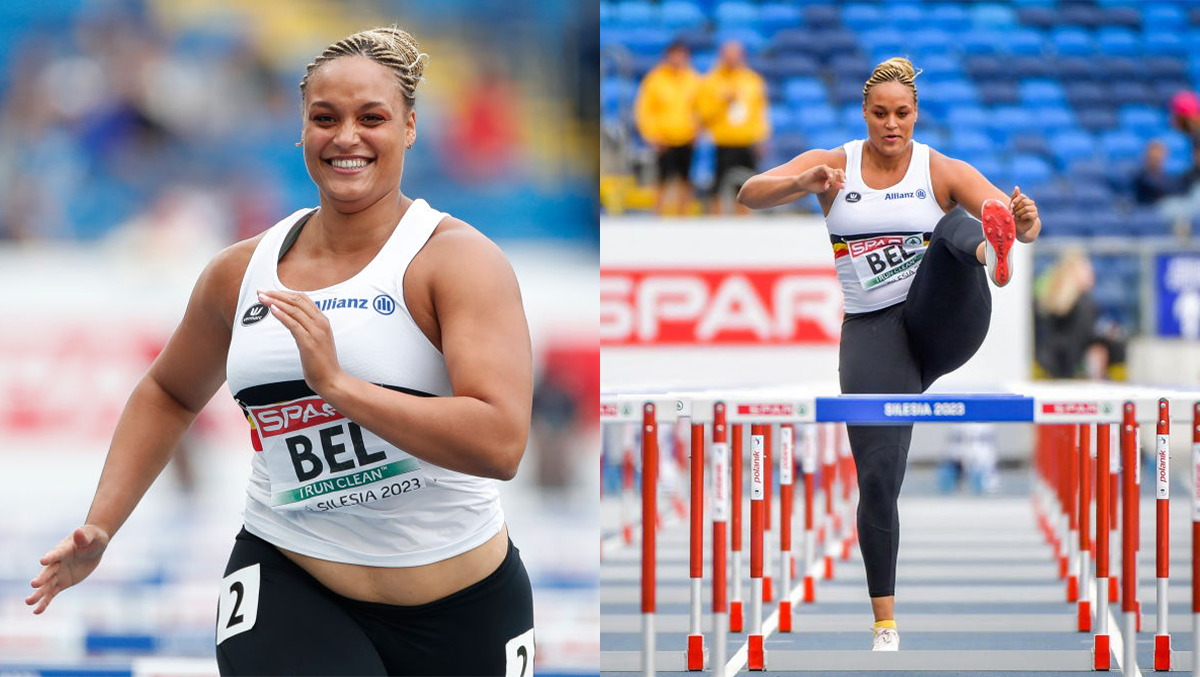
1072,42
828,43
1029,143
927,39
697,39
1029,67
793,40
736,14
1163,91
833,137
986,67
1147,222
635,13
804,91
1124,92
1051,116
1176,142
788,65
971,142
1037,17
993,16
1023,42
1108,223
1071,145
822,17
1112,68
861,16
850,67
1081,14
814,116
948,16
1041,92
949,93
1066,223
750,38
846,92
1097,119
1029,170
783,122
1163,43
884,39
703,61
967,116
1125,17
1088,169
904,16
647,40
994,93
678,14
1085,94
1074,69
986,163
1142,120
978,41
1118,42
776,16
1162,16
1090,194
1165,68
850,116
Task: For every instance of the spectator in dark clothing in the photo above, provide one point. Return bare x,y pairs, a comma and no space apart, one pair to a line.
1151,182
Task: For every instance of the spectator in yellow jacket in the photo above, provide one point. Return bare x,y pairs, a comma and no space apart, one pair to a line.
733,105
666,117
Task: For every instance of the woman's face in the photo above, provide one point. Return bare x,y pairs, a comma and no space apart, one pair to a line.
356,127
890,112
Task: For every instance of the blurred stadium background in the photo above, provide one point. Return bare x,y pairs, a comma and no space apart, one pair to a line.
1060,97
139,137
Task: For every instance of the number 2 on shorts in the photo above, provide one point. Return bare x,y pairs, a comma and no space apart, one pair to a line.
518,655
237,609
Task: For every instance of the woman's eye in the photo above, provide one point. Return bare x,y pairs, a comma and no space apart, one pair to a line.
372,118
322,119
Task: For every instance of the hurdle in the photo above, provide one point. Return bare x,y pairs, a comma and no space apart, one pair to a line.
1105,409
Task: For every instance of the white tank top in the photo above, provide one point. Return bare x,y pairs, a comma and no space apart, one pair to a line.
320,484
879,236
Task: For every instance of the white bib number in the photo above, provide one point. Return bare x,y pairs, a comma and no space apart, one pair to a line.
882,260
518,655
237,608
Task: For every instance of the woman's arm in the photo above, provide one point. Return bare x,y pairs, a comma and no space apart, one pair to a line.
164,403
812,171
483,427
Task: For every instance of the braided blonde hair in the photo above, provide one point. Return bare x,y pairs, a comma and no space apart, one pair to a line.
898,69
389,47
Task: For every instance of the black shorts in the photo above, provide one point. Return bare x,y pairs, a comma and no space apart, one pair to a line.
279,620
734,157
675,162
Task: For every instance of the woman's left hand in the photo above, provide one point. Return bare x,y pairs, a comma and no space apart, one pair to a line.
314,337
1025,213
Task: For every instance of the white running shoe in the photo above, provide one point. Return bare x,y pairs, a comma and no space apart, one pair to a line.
999,234
886,639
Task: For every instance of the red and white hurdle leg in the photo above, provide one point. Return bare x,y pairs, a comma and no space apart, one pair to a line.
787,436
756,658
628,434
695,640
720,513
1130,471
649,523
736,622
1195,537
828,475
768,496
1162,476
1101,651
1085,495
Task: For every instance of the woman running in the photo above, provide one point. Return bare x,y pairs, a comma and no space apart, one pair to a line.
380,352
912,270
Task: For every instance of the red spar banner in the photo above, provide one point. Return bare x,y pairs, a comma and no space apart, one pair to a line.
720,307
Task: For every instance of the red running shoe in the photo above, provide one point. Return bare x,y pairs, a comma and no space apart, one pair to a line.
999,234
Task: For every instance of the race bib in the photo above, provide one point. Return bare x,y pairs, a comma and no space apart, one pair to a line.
885,259
320,460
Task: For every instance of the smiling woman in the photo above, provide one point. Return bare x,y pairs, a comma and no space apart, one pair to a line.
387,389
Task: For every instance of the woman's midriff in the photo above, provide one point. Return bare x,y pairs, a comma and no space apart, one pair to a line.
407,586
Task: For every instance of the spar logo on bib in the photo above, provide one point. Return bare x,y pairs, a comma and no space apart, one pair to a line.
280,419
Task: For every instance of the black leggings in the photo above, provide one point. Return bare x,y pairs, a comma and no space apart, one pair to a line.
287,623
903,349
